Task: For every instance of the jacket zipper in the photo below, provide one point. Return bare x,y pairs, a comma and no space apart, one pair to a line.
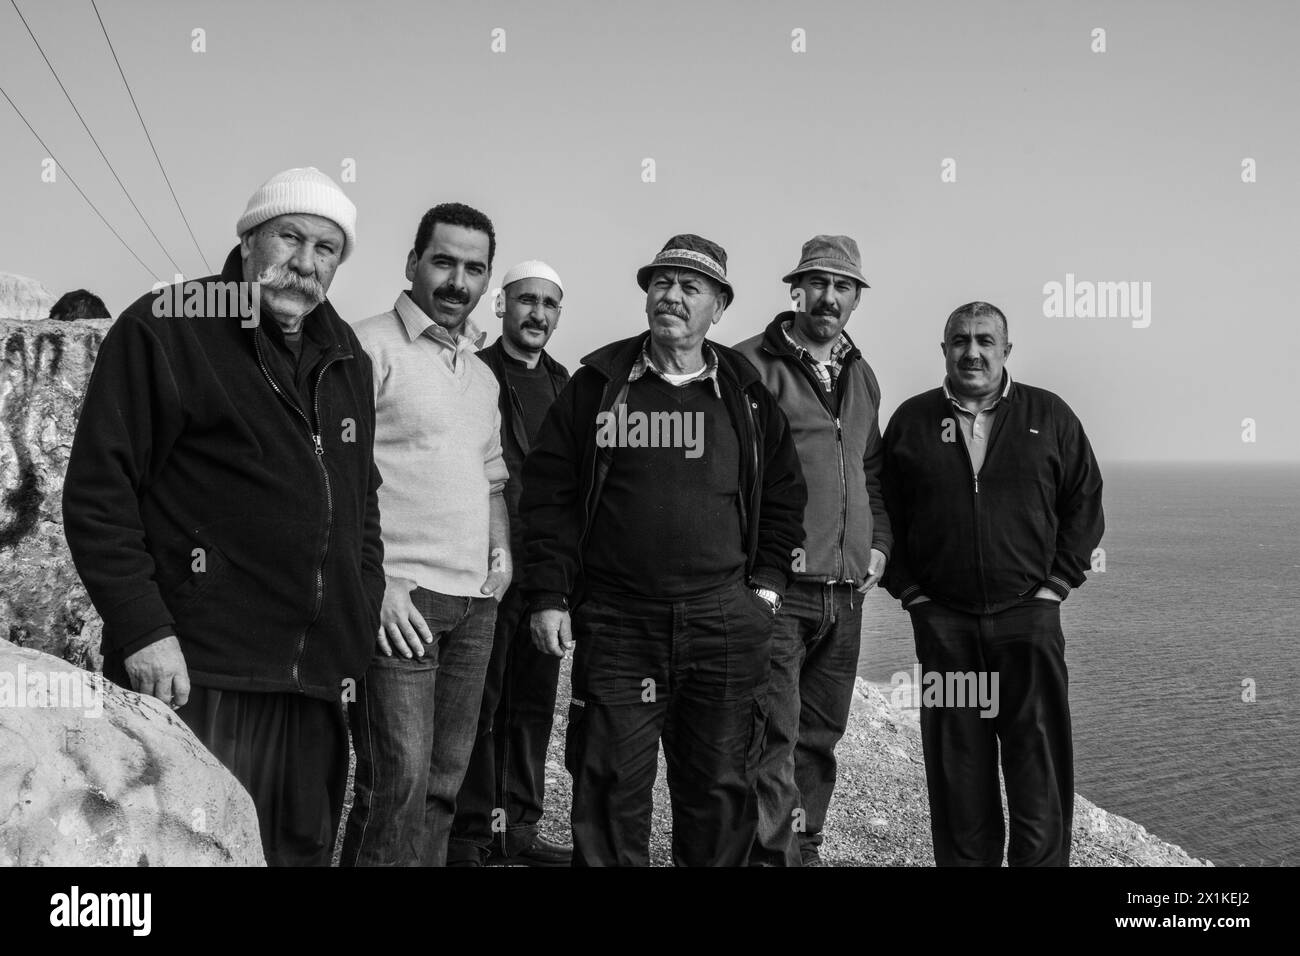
315,434
844,499
755,492
589,505
975,504
517,420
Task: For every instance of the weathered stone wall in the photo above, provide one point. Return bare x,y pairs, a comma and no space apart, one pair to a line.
43,374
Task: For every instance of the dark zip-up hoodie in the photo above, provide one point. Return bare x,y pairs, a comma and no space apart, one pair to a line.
1030,519
565,471
210,495
841,454
514,438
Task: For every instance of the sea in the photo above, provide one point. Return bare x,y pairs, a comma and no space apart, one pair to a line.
1184,658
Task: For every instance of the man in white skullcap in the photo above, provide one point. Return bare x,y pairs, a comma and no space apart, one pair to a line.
221,506
500,802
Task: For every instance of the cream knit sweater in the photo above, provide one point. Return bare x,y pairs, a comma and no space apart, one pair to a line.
437,446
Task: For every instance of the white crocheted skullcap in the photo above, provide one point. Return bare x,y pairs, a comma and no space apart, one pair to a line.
532,269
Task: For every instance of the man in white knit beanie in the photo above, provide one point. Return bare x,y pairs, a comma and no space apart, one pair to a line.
298,228
221,505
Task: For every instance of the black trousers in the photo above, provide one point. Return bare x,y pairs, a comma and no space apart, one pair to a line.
291,753
500,801
1025,648
690,673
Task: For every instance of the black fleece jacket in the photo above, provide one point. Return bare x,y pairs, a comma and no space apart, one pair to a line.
214,494
1031,519
564,473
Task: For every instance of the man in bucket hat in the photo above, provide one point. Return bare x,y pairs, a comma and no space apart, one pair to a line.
221,507
661,503
830,396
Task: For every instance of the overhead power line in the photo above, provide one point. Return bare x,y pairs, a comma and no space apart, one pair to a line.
86,127
148,137
50,152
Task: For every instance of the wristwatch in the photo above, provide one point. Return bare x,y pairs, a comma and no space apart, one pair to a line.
770,596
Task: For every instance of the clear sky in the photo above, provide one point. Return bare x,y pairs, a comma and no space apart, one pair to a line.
1122,166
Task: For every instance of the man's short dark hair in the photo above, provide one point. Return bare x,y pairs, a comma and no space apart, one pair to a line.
79,304
455,214
977,310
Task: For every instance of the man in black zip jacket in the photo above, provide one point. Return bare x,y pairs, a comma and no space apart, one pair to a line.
500,802
832,400
221,507
995,500
661,504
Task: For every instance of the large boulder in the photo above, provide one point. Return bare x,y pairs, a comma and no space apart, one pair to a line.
44,369
23,298
94,775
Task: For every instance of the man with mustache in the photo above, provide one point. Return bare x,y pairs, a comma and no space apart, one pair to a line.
500,802
446,547
830,395
221,507
995,499
665,562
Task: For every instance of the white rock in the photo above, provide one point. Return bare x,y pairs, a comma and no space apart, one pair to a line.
23,298
94,775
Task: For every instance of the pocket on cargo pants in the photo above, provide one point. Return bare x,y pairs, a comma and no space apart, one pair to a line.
758,735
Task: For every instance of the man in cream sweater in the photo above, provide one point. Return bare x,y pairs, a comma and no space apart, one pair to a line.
446,547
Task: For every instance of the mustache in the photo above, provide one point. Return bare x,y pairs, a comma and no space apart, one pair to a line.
530,324
832,310
282,278
672,310
450,293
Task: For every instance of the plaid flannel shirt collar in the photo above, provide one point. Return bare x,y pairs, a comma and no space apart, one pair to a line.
645,363
827,372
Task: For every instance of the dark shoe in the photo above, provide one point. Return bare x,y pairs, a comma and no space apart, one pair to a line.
541,852
464,863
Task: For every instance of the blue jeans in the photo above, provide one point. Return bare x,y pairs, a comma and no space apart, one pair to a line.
508,769
814,667
413,728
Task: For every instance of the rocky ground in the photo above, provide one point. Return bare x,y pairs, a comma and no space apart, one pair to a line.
879,815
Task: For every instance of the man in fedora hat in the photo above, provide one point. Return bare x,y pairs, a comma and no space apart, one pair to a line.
221,507
830,396
661,504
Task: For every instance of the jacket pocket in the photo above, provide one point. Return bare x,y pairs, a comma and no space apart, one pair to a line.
199,581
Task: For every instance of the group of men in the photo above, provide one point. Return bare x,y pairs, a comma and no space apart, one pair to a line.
298,530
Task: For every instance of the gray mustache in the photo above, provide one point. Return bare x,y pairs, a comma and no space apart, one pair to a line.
284,279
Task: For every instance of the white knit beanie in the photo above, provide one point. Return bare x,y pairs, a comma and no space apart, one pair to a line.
304,191
532,269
